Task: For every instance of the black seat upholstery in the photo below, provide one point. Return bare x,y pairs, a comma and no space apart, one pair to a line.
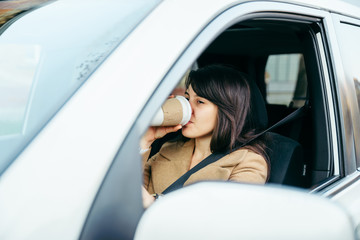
258,108
285,154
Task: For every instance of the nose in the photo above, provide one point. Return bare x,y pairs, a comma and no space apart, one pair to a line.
192,107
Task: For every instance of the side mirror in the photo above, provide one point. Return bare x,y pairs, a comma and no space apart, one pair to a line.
219,210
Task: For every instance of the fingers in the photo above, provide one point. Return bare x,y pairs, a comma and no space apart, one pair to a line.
172,128
147,198
154,133
177,127
162,131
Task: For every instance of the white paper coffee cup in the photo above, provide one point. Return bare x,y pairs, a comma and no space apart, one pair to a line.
174,111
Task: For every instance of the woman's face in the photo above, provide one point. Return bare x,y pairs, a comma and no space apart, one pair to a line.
203,118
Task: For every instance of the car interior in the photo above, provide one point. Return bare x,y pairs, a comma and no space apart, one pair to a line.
281,59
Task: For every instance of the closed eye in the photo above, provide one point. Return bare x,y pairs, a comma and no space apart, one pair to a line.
187,96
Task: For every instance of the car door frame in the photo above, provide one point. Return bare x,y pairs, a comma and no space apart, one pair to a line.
114,220
346,191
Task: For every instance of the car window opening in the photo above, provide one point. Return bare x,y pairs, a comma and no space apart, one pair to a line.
280,62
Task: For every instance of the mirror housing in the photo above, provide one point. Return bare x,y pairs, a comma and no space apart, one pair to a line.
223,210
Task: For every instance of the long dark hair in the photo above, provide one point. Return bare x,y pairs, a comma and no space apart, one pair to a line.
229,90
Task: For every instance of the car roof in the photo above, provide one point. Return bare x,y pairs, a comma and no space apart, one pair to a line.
344,7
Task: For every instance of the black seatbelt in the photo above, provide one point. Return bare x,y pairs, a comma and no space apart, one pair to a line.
298,113
179,183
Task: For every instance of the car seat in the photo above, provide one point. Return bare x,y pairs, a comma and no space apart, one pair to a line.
285,154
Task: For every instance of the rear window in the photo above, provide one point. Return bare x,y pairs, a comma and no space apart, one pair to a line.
46,54
285,79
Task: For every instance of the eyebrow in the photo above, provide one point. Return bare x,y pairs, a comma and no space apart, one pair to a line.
189,94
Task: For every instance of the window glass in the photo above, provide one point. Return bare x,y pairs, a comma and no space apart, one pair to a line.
17,70
285,79
349,38
350,50
42,63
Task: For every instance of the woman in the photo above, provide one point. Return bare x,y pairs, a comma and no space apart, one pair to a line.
220,122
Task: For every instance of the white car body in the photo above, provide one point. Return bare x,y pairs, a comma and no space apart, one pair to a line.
49,189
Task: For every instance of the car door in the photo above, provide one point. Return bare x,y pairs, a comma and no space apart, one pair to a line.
173,53
347,31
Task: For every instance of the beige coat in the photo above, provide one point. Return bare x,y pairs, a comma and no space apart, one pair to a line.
173,160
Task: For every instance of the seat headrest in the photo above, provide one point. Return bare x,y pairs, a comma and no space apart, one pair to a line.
258,107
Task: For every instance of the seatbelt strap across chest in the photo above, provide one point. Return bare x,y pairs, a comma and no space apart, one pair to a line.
179,183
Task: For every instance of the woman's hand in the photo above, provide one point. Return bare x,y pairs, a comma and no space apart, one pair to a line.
154,133
147,198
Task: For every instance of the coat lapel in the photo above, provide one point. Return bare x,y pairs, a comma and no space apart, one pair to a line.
173,161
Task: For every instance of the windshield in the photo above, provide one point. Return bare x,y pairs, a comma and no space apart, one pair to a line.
46,54
9,10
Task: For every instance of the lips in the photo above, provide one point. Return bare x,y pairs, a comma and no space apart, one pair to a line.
189,122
